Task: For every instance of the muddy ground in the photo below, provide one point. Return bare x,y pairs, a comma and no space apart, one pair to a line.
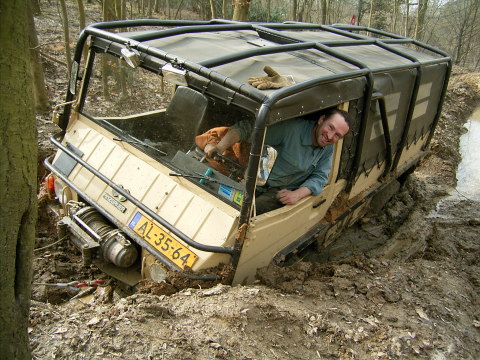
402,284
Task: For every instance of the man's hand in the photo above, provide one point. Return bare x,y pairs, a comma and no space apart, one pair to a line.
273,81
210,150
290,197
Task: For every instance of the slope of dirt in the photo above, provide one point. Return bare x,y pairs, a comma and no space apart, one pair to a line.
410,291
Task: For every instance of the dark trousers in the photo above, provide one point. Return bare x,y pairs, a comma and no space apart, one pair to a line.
266,199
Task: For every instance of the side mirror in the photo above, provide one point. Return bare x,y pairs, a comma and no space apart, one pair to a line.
267,160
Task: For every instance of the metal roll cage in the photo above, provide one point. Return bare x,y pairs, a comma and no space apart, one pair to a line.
272,32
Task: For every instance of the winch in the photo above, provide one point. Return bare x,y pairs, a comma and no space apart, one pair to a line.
113,242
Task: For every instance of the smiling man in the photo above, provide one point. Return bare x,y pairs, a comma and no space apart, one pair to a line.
305,150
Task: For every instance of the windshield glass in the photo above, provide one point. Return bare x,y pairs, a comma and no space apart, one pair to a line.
170,123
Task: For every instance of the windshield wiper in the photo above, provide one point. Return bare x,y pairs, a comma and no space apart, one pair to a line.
138,142
206,178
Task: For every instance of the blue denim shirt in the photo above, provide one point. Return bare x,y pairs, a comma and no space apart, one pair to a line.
298,163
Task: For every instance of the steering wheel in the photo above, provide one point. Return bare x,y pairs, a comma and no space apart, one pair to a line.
234,169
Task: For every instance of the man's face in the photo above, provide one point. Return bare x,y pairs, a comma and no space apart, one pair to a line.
329,131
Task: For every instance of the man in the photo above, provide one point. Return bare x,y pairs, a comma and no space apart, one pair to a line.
305,150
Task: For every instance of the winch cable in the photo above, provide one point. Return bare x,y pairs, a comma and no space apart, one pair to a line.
77,284
52,244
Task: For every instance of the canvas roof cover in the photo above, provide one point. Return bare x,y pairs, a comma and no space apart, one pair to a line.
329,64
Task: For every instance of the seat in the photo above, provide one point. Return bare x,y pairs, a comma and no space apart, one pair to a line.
186,114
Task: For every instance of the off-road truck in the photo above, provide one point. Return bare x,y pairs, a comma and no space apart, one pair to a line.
140,199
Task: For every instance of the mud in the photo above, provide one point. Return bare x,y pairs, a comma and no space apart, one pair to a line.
402,283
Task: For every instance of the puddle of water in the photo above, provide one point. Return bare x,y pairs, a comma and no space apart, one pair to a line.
468,173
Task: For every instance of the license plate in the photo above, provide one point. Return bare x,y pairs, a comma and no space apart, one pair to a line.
162,241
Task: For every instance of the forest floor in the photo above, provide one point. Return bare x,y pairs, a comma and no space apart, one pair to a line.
413,293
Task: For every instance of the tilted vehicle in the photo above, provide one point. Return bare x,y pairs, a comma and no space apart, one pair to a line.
138,198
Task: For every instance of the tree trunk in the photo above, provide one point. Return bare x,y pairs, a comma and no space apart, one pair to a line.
82,24
294,10
301,11
473,28
178,10
309,11
324,11
108,14
362,8
40,89
224,9
371,12
18,166
240,10
407,18
36,7
150,9
81,14
460,43
66,36
212,9
396,6
422,11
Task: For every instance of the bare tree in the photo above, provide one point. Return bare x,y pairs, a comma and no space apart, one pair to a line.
81,14
396,11
461,28
150,8
407,17
294,10
82,23
324,11
18,166
113,10
473,32
66,35
360,11
212,8
421,12
240,10
179,8
224,9
40,88
303,10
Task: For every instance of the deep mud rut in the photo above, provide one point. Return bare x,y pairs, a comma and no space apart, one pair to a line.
402,284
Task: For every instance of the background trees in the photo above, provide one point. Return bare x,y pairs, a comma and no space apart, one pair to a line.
452,25
462,19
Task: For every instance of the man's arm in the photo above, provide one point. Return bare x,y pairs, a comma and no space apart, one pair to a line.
319,177
314,183
231,137
240,132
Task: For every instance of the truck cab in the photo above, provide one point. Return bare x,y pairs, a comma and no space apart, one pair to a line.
139,198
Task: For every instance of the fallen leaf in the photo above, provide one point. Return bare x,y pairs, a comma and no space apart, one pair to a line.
422,314
93,321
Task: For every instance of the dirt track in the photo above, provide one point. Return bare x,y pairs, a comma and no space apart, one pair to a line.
411,292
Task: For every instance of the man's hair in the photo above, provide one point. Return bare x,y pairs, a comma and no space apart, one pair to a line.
333,111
